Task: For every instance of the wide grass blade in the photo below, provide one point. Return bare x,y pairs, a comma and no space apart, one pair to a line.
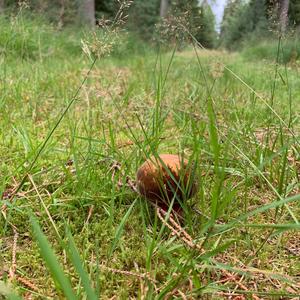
61,280
77,263
289,226
258,210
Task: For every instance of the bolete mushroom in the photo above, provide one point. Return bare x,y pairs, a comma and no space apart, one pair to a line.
164,178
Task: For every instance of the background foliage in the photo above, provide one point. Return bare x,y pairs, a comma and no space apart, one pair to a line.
143,15
243,21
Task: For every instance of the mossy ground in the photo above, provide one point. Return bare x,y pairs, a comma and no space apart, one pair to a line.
248,157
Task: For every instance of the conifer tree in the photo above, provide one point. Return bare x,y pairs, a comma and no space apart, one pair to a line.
294,14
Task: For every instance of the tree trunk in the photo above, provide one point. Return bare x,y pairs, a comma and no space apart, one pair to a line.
163,8
87,12
61,14
1,6
283,15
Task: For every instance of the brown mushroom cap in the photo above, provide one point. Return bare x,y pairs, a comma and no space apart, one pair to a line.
158,179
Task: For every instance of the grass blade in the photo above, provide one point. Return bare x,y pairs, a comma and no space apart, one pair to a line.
61,280
77,263
258,210
120,229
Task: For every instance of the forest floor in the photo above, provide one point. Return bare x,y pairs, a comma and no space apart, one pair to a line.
239,119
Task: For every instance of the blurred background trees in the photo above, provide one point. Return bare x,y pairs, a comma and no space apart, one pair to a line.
143,15
243,20
294,14
258,19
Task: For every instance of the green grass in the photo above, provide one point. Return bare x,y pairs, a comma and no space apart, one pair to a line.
78,231
267,50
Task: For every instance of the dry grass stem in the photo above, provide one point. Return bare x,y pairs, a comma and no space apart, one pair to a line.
27,283
144,276
90,212
177,230
44,205
13,267
238,283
